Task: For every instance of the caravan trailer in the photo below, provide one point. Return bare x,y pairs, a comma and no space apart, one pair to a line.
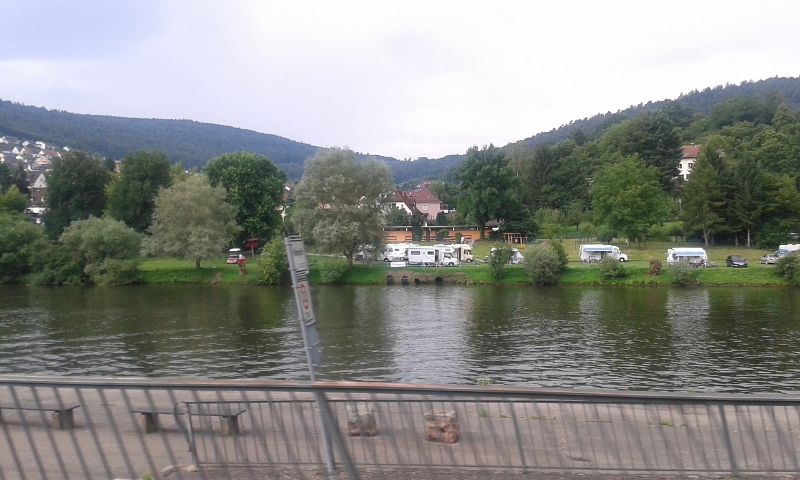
695,256
516,256
593,253
425,256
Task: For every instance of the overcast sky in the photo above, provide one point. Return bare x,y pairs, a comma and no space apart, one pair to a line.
405,79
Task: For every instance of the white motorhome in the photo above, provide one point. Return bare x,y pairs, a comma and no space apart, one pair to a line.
787,249
463,252
425,256
695,256
446,255
593,253
516,256
395,252
432,256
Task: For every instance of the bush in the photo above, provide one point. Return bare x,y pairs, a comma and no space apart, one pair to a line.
681,273
542,264
498,259
21,244
788,267
563,258
333,271
273,263
611,268
59,268
113,271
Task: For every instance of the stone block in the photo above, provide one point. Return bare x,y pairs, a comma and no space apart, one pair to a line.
442,426
361,420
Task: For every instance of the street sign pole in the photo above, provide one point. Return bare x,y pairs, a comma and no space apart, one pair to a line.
298,267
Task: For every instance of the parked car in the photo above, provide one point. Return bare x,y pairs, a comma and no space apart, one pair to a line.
735,261
768,259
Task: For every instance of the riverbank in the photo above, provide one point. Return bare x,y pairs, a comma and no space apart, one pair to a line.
170,271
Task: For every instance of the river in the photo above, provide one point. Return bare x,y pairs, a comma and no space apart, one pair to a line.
729,339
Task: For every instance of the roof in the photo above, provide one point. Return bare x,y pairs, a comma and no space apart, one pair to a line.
688,252
690,151
422,195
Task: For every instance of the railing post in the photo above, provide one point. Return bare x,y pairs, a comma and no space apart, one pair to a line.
334,433
518,435
728,443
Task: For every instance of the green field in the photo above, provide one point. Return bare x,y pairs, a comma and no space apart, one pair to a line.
577,273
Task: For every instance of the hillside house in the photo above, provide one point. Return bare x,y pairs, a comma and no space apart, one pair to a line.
689,155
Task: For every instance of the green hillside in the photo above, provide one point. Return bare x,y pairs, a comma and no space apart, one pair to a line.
194,143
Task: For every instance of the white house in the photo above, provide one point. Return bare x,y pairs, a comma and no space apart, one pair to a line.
689,155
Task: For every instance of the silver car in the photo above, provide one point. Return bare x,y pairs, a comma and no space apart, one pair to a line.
768,259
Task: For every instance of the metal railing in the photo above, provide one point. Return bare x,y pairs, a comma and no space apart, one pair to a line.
137,428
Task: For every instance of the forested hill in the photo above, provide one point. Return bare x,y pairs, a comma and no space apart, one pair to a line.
787,89
194,143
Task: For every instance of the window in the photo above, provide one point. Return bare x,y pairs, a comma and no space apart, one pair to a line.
689,167
424,206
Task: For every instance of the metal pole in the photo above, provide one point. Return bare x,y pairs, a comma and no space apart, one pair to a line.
297,277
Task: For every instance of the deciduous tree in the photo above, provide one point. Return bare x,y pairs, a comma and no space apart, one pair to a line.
254,185
191,220
338,201
488,183
75,190
131,198
628,198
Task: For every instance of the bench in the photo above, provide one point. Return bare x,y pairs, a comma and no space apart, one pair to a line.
229,417
62,416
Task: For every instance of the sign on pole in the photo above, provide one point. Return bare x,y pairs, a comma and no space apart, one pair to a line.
298,267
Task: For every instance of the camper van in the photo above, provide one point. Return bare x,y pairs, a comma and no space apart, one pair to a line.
695,256
395,252
787,249
516,256
446,255
463,252
594,253
432,256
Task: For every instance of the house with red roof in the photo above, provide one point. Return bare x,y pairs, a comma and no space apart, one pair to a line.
689,154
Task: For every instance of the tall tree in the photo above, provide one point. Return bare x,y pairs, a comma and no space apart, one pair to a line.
131,198
488,183
748,203
338,201
653,136
75,190
702,200
191,220
627,197
21,243
254,185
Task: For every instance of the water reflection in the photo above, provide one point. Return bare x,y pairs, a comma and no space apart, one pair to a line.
700,339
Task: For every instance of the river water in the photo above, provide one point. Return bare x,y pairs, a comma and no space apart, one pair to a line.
728,339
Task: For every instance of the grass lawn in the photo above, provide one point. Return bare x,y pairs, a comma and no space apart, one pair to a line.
578,273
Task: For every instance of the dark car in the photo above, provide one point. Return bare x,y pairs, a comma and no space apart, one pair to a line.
735,261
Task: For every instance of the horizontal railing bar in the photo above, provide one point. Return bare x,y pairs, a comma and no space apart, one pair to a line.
507,393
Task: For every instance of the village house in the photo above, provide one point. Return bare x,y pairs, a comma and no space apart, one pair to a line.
689,155
426,202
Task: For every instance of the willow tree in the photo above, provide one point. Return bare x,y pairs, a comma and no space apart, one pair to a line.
338,201
191,220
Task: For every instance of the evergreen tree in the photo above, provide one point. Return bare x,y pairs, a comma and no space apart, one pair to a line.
702,199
